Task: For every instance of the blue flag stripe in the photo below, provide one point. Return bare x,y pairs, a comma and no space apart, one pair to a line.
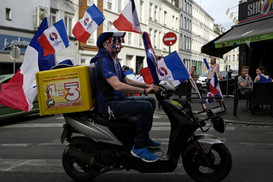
62,31
178,69
44,62
96,14
206,63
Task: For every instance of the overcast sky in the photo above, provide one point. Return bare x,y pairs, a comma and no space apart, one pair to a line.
217,10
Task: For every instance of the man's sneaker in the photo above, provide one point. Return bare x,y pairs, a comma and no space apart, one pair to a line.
152,144
144,154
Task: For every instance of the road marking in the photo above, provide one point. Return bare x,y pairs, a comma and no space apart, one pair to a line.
157,126
31,165
15,145
36,125
55,166
257,144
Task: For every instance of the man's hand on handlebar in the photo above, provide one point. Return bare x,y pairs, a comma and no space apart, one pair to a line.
154,89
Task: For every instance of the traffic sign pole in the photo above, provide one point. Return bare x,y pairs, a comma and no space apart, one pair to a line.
14,55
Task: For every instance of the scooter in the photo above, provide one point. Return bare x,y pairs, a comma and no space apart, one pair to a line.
97,145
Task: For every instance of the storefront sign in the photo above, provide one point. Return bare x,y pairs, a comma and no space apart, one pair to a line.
8,41
255,9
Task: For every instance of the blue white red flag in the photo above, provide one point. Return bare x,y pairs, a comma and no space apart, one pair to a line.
21,90
54,38
214,86
128,19
151,58
172,68
88,24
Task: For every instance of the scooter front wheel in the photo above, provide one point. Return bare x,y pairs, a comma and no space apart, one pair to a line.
197,168
76,169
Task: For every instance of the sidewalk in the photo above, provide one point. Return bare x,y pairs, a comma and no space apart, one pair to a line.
243,115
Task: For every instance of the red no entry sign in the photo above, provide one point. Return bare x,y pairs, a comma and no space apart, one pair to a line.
169,38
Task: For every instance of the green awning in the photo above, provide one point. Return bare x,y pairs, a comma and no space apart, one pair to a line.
245,33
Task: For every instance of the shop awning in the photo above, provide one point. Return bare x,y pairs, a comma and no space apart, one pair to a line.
240,34
210,49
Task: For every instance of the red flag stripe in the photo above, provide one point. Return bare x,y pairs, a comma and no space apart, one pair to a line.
79,32
47,47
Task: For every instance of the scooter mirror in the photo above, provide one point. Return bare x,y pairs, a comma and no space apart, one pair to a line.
219,124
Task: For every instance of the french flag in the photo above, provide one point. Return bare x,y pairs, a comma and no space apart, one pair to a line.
88,24
54,38
20,91
128,19
172,68
214,86
151,59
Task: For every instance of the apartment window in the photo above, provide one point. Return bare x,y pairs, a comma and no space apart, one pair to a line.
176,23
155,13
93,38
8,14
185,22
150,10
83,61
109,25
181,21
159,40
185,42
90,2
173,22
119,6
233,58
141,10
180,41
159,16
53,16
140,40
109,4
155,39
129,38
68,23
165,17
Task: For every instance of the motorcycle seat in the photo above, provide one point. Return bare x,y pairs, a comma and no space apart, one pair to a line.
131,121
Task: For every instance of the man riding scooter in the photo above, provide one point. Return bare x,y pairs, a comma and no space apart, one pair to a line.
111,87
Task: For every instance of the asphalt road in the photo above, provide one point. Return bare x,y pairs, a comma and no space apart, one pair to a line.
30,150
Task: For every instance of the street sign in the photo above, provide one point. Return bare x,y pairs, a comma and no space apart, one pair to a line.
169,38
15,52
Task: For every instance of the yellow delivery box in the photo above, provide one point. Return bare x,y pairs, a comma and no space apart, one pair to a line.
64,90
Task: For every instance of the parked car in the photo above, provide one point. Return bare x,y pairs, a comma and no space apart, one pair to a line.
234,73
6,112
224,74
202,79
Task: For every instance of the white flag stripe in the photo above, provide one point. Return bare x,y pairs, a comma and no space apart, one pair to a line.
91,26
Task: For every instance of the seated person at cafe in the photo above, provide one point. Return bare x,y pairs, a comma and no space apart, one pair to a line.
261,77
245,82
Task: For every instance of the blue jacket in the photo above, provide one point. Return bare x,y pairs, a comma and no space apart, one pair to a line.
105,68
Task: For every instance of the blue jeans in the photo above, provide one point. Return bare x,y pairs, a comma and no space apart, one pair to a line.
142,107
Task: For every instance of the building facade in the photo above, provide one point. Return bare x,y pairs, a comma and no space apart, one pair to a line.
192,25
20,19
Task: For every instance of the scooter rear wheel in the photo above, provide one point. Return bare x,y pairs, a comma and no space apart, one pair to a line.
76,169
219,157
